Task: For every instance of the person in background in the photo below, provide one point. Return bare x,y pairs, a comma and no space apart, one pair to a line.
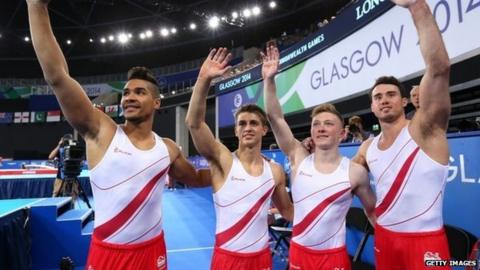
355,131
55,157
273,146
414,95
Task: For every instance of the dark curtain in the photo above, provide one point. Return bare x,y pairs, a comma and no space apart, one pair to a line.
15,243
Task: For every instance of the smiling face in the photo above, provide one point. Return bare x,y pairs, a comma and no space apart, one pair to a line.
249,129
387,103
138,101
327,130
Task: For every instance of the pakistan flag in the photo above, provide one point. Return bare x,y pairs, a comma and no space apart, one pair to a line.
37,117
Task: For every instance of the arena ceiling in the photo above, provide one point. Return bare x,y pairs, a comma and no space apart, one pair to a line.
80,25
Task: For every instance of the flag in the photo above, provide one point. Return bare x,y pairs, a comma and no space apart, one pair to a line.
18,117
37,117
53,116
6,117
21,117
112,110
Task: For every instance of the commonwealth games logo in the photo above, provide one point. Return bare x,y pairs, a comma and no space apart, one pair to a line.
237,100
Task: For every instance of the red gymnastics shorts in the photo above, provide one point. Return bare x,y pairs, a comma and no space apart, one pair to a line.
229,260
148,255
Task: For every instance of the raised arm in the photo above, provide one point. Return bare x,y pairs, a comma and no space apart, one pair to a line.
284,136
214,66
75,104
434,95
363,190
54,152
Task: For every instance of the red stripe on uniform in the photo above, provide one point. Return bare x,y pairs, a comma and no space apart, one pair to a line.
310,217
108,228
227,235
244,196
397,183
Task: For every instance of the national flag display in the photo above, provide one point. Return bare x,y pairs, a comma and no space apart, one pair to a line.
112,110
21,117
53,116
6,117
37,117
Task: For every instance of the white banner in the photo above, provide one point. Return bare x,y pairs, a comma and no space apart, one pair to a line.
386,46
92,90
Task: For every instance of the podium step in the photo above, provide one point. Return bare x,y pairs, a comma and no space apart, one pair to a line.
88,228
57,231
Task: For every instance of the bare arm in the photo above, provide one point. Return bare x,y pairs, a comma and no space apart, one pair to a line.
215,65
361,156
434,95
363,190
280,197
54,152
75,104
183,171
283,134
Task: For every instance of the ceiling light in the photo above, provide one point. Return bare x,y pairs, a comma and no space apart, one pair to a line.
214,22
273,4
142,36
148,34
90,40
247,13
256,10
173,30
27,39
234,14
193,26
122,38
164,32
69,41
103,40
173,92
111,38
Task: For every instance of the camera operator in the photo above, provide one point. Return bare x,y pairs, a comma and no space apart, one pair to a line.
355,132
57,157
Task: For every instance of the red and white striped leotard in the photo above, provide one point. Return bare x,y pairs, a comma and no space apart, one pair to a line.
127,185
409,185
321,203
241,206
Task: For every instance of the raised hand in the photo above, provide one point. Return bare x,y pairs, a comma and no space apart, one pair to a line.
406,3
308,144
270,62
216,64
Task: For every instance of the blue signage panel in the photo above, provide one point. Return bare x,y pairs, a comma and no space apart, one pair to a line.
351,19
229,103
462,193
